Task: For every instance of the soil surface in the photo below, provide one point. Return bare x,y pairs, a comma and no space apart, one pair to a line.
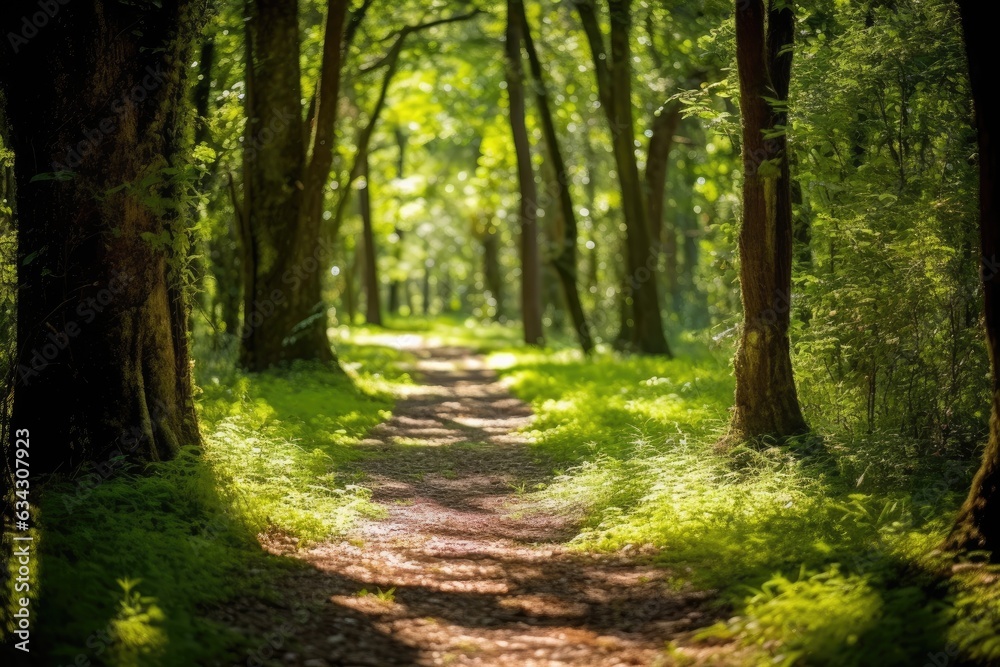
462,570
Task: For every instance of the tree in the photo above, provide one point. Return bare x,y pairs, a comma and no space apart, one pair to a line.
766,400
102,336
286,169
489,236
390,63
978,523
395,285
565,260
614,85
661,140
531,288
373,308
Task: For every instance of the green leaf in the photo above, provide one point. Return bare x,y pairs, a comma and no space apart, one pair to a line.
64,175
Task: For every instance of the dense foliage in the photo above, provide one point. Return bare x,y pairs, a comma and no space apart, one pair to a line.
830,530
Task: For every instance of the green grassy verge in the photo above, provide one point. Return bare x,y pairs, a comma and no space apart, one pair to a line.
814,564
132,563
822,550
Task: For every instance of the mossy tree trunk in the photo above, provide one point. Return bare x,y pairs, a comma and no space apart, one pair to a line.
978,522
614,85
766,399
102,335
286,172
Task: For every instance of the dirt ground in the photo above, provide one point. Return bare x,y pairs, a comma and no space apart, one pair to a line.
462,571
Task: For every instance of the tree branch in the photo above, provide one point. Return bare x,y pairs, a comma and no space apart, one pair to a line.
406,31
365,135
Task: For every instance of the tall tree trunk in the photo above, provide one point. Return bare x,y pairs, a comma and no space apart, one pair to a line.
337,35
408,295
531,288
664,237
350,283
766,400
284,315
565,260
102,311
373,309
690,299
425,288
592,263
614,84
492,274
625,338
396,286
978,522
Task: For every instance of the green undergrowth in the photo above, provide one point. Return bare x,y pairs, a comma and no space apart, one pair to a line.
813,563
280,437
134,561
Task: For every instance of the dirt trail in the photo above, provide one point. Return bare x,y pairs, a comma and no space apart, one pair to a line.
472,581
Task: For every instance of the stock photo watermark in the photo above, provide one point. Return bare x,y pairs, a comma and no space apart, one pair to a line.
31,24
95,136
60,338
21,558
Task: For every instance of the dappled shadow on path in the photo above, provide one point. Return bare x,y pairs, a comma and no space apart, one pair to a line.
461,571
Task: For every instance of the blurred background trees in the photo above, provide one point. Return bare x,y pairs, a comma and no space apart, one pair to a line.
399,196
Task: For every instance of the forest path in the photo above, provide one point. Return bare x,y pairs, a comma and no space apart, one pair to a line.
476,577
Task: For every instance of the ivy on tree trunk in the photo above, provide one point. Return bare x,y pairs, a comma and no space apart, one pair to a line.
286,169
103,244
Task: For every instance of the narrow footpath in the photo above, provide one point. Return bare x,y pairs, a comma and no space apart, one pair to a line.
461,571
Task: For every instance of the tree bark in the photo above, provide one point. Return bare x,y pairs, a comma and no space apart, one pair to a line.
373,308
531,292
565,260
614,84
284,315
978,523
425,288
625,338
350,274
766,399
102,338
664,238
397,286
492,274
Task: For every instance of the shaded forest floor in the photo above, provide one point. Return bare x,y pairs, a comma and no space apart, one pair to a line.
509,506
463,569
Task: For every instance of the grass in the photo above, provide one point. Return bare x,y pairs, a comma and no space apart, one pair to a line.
387,596
819,554
814,563
133,564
